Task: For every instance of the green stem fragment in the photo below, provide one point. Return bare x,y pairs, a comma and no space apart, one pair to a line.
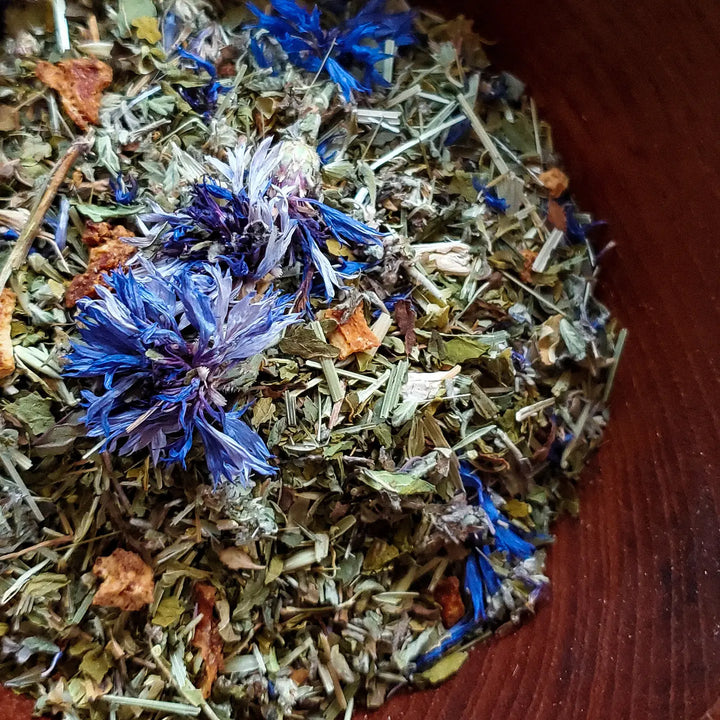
155,705
619,345
328,367
483,135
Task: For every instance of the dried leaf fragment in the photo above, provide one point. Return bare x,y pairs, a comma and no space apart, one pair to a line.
146,28
80,83
549,339
107,252
555,180
354,335
7,307
528,260
447,595
207,637
127,581
238,559
9,118
405,317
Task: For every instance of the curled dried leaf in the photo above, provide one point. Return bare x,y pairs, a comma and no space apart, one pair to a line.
127,581
80,83
238,559
549,339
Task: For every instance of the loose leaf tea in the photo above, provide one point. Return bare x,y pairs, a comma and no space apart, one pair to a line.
299,355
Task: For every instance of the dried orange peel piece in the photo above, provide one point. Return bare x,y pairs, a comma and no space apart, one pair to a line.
7,307
107,252
447,595
555,180
207,636
80,83
127,581
352,336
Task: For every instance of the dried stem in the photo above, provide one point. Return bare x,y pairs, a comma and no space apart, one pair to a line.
37,215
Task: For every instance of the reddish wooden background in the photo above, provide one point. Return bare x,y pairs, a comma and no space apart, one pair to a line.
633,628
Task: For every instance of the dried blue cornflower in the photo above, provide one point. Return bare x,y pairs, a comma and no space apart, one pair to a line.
453,636
506,538
168,350
355,45
254,226
124,191
481,579
490,197
203,99
577,231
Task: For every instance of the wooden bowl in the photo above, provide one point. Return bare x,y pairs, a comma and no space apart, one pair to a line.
632,631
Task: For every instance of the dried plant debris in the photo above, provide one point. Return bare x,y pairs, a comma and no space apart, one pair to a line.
127,581
299,365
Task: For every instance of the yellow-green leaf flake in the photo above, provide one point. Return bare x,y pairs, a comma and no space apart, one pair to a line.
444,668
95,664
396,482
146,28
168,612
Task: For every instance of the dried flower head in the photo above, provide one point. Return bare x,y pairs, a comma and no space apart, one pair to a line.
167,350
337,50
255,226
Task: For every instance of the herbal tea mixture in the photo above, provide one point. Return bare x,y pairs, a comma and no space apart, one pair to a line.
299,355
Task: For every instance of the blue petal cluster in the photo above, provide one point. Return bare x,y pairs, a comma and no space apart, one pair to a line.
490,196
481,579
203,100
167,350
124,191
356,44
254,227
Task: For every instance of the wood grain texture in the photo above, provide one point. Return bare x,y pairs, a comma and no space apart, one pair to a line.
632,630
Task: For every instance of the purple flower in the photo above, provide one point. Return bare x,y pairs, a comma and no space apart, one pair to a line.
168,350
339,50
253,226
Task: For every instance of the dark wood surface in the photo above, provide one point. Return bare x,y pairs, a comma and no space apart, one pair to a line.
632,630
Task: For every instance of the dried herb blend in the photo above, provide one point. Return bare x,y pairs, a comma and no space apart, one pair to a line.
299,355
